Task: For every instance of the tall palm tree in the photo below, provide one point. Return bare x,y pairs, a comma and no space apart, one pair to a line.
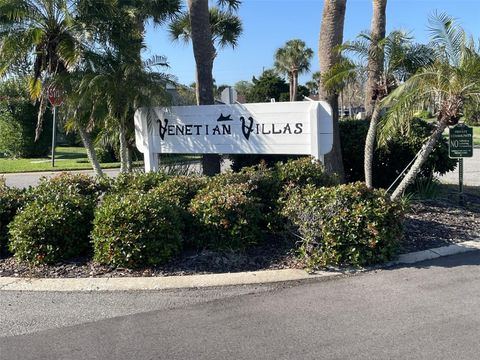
373,91
204,27
80,112
452,81
293,59
401,58
331,36
45,30
120,86
375,53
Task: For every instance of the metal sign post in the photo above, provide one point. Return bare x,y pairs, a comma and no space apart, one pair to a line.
55,96
460,145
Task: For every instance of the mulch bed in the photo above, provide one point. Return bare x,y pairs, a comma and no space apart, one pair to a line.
429,224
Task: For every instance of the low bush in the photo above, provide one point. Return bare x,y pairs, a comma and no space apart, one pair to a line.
229,215
304,171
140,181
11,201
70,183
52,228
180,190
136,229
345,225
105,155
239,161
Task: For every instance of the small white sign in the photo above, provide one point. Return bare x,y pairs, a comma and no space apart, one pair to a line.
296,128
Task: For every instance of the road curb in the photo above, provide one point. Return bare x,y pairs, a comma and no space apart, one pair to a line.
211,280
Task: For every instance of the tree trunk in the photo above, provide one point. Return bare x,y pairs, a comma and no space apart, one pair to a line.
333,160
91,153
129,159
123,148
370,146
204,53
331,35
422,157
294,86
374,92
375,57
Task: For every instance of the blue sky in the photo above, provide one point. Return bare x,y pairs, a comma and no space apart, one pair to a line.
268,24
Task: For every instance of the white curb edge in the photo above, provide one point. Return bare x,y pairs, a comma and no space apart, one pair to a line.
209,280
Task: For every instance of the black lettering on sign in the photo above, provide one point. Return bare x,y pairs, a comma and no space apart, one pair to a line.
225,118
247,126
162,128
298,128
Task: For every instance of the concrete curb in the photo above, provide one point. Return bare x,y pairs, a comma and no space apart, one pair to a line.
210,280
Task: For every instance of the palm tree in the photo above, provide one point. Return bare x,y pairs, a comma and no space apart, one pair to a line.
120,86
293,59
401,58
331,36
205,27
452,81
375,54
80,114
44,30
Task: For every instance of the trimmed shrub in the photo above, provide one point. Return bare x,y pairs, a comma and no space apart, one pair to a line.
391,160
304,171
180,190
345,225
11,201
229,215
105,155
139,181
136,229
52,228
81,184
239,161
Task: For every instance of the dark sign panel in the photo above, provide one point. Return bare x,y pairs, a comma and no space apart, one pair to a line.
460,142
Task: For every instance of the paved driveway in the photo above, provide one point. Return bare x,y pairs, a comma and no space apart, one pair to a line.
427,311
471,173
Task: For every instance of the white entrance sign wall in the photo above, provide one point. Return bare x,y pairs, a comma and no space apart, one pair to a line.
290,128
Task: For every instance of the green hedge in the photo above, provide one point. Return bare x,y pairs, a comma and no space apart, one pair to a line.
136,229
140,181
229,216
18,120
345,225
391,160
52,228
11,201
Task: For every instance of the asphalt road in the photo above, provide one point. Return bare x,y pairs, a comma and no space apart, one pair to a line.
427,311
471,171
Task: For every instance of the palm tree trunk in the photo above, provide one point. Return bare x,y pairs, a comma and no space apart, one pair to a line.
334,160
375,58
295,86
422,157
91,153
129,159
331,36
204,53
123,148
370,146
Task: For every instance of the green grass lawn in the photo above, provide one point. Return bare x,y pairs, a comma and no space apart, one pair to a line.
68,158
476,135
